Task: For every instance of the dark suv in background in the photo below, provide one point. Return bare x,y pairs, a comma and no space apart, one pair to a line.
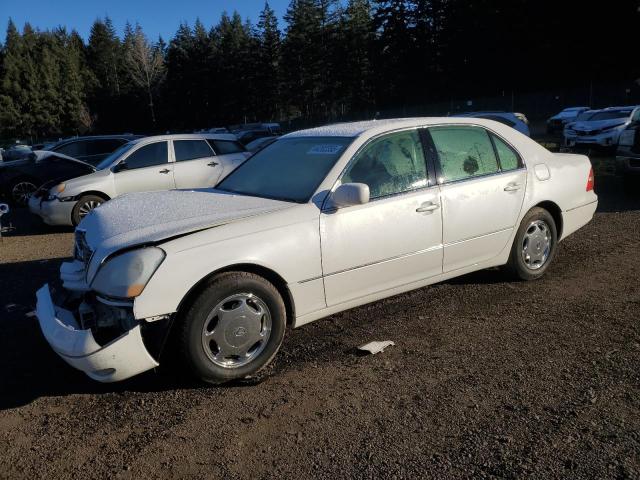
91,149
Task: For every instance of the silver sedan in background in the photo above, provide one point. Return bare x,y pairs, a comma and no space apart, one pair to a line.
163,162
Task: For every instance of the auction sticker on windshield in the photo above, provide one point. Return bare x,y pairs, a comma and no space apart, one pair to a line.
324,149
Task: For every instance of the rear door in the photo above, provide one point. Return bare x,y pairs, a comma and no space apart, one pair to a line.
196,165
482,183
145,169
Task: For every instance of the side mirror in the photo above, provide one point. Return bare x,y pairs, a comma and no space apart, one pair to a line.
349,194
4,208
120,166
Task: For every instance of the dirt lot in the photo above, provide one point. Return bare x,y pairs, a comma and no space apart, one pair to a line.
488,378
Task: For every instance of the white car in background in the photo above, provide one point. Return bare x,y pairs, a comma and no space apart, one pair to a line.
568,115
320,221
161,162
601,128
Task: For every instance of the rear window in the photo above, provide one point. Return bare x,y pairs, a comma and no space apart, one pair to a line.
224,147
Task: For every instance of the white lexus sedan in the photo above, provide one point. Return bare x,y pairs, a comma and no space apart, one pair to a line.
318,222
161,162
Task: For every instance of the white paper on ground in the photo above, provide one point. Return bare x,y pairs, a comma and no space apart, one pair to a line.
375,347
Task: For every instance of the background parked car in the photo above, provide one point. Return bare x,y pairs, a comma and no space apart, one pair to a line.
20,178
162,162
507,118
628,153
558,121
601,128
15,152
92,149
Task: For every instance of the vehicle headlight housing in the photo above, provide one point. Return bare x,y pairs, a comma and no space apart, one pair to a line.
627,137
126,274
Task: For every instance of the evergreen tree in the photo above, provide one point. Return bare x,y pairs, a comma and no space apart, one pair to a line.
308,56
103,82
393,48
267,77
355,43
12,95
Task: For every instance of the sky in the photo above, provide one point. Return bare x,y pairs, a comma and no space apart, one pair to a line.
157,17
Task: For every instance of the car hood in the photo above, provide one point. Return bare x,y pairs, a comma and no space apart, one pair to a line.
150,217
598,124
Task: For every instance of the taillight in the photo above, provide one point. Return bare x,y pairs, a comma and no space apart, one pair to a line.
590,180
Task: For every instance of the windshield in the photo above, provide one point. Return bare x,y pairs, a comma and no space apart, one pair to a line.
610,115
106,163
290,169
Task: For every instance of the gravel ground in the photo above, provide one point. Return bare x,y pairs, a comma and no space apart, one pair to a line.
489,378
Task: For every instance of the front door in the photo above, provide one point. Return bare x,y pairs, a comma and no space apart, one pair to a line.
396,238
482,186
145,169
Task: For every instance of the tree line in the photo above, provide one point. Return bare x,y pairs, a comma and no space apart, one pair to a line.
329,60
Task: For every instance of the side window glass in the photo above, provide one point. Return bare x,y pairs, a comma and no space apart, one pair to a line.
191,150
464,152
391,164
509,159
147,156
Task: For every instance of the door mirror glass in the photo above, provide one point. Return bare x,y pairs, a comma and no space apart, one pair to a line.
349,194
119,167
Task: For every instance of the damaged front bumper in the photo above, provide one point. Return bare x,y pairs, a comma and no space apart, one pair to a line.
109,360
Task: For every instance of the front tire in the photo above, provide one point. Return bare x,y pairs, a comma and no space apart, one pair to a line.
21,191
534,246
233,328
84,206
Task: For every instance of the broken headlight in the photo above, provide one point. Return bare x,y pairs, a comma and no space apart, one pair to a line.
126,275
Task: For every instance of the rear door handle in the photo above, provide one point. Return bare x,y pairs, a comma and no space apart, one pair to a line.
212,164
512,187
427,207
166,170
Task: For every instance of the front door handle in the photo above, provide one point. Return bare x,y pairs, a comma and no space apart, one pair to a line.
166,170
212,164
427,207
512,187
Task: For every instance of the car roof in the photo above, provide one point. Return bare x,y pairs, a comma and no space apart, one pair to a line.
355,129
188,136
99,137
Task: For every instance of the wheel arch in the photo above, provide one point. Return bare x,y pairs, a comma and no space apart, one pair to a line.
264,272
96,193
556,213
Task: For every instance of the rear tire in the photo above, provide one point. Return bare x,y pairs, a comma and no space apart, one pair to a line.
534,246
232,329
84,206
